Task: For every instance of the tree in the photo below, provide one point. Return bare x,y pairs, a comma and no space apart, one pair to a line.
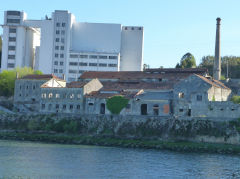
145,66
230,62
115,104
8,77
187,61
0,52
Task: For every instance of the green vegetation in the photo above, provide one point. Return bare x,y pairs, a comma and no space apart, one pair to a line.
0,51
115,104
8,77
187,61
182,146
236,99
236,124
232,61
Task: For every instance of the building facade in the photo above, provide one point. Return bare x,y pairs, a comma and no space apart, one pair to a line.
149,94
61,45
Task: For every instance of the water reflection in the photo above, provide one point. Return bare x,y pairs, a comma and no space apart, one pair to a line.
36,160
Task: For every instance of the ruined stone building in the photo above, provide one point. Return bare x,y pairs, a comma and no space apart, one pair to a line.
155,92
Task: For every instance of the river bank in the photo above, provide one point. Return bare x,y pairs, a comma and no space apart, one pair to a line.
180,146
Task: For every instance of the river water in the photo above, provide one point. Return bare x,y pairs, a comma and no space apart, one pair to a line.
43,161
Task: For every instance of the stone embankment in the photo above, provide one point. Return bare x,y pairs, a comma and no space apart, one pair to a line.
200,134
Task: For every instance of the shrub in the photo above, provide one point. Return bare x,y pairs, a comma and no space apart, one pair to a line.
115,104
236,99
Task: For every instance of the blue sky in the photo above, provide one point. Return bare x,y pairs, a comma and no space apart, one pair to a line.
171,27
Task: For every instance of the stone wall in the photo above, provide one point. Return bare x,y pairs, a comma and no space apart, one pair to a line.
139,127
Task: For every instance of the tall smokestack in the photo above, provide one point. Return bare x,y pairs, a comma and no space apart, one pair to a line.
217,61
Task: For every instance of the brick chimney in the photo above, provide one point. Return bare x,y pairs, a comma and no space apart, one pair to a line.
217,60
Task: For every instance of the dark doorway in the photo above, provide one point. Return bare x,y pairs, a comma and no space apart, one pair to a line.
143,109
189,112
102,108
155,110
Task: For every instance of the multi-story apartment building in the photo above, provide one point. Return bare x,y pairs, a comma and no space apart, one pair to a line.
61,45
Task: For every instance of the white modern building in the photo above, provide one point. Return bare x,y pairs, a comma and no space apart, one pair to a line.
61,45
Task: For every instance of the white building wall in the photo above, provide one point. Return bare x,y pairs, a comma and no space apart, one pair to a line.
61,36
131,49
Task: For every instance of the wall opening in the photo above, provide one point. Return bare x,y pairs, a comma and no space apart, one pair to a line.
189,112
156,110
102,108
143,109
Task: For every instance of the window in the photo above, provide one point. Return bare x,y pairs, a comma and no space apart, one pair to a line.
79,96
73,56
17,21
78,106
62,47
92,64
143,109
57,106
12,30
93,56
27,87
55,62
11,47
50,95
20,87
180,110
132,28
199,97
57,40
71,96
113,57
63,24
11,56
90,104
60,70
49,106
13,13
57,95
58,24
70,106
64,106
12,39
180,95
55,70
72,71
20,95
102,64
56,47
34,87
11,65
43,106
83,56
82,64
125,28
44,95
73,63
112,65
57,32
139,28
56,55
63,32
61,63
159,79
62,40
103,57
61,55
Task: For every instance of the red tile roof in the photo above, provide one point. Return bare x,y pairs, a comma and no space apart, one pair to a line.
76,84
131,75
200,71
40,77
99,94
213,82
